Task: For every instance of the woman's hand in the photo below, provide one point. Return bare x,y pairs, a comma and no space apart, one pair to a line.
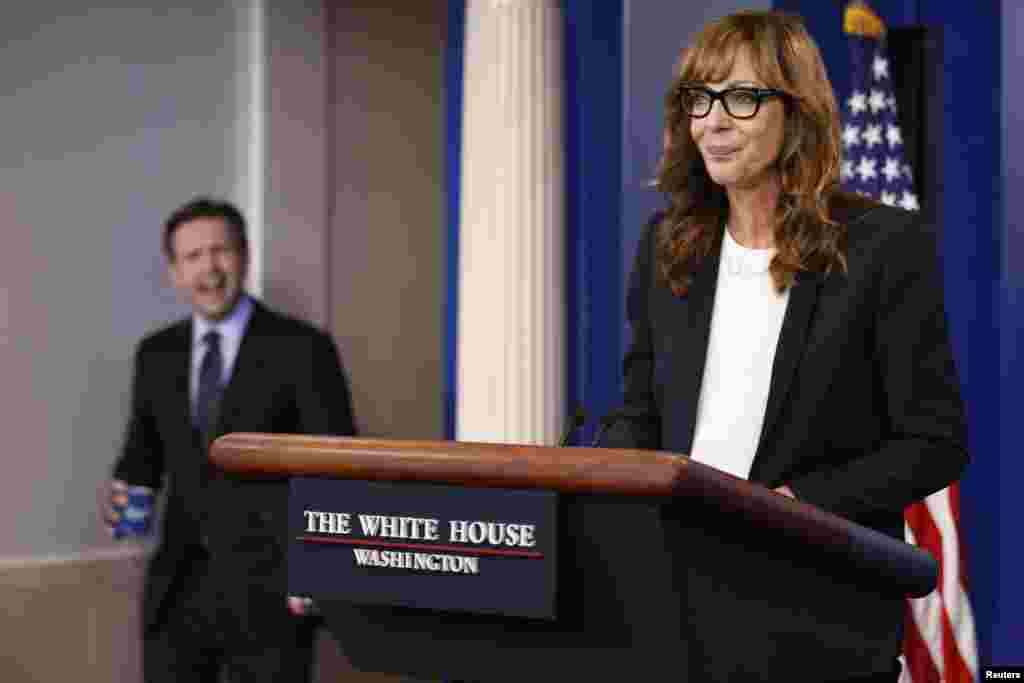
786,491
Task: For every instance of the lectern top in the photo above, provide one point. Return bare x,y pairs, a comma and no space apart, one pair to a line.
587,471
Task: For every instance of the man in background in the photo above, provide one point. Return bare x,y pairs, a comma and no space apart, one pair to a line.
214,603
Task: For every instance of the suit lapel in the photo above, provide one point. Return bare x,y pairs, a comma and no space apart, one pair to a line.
181,370
690,346
803,299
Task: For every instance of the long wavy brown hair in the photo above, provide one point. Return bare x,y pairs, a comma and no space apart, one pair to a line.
784,57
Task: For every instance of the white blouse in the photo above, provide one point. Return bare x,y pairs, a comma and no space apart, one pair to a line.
745,325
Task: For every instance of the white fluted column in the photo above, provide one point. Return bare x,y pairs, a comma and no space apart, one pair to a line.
511,321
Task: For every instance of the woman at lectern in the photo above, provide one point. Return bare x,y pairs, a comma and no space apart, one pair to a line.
785,331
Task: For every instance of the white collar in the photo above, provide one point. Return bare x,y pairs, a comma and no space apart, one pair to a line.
232,326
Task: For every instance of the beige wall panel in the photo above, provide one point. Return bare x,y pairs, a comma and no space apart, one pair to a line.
71,620
387,230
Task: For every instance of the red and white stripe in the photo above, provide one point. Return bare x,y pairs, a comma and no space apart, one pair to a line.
939,644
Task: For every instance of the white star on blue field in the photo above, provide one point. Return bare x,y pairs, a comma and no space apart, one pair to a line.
873,158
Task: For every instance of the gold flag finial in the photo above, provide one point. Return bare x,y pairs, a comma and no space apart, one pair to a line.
860,20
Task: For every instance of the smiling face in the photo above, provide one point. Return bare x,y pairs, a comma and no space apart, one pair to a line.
741,153
207,266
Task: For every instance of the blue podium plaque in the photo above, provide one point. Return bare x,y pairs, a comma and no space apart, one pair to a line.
430,546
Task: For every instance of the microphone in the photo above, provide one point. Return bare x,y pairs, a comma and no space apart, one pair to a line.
607,421
578,419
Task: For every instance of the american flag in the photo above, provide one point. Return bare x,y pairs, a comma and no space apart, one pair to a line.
874,163
939,643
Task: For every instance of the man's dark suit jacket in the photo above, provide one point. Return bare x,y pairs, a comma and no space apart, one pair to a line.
287,378
864,414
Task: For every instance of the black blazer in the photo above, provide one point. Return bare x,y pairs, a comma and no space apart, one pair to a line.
287,378
864,414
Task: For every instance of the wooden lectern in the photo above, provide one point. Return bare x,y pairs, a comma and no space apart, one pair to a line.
668,570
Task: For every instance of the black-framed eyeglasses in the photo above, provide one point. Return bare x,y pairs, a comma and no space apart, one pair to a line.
740,103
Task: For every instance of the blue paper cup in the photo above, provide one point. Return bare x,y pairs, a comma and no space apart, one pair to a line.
133,506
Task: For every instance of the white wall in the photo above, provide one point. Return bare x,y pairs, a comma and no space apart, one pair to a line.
112,117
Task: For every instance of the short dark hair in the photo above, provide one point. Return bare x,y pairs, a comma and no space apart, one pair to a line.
206,207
